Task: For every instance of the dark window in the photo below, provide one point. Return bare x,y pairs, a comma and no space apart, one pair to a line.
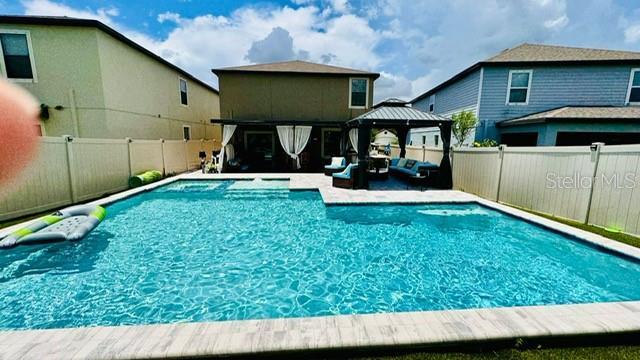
519,82
359,92
331,143
15,51
519,139
186,133
183,92
436,139
634,94
430,107
570,138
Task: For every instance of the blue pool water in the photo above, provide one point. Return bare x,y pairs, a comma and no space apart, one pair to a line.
204,251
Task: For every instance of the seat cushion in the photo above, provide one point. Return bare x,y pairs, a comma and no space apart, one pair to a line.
333,166
342,176
401,163
394,161
337,162
410,164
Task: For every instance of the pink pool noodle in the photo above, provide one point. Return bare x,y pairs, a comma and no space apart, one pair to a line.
18,130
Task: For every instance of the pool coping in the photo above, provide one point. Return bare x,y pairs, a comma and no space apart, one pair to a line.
421,328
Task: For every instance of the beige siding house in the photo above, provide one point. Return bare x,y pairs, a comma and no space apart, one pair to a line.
258,99
97,83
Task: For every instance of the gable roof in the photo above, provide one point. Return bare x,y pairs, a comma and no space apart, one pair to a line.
388,116
296,67
77,22
577,113
551,53
391,102
525,54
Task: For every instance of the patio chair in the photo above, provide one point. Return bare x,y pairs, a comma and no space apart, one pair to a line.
345,179
337,165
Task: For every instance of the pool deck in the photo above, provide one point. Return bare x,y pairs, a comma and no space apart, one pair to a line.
423,328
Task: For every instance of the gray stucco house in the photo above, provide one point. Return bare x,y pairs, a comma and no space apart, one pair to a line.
545,95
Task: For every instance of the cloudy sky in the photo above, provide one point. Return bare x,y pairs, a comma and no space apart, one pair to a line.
415,44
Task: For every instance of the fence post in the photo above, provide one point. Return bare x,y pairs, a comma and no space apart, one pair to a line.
595,159
129,141
501,149
68,139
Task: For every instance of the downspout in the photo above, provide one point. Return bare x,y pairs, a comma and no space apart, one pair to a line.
74,112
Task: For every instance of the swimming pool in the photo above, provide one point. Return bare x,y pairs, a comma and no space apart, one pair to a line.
222,250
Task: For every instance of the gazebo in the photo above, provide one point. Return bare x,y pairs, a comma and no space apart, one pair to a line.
401,119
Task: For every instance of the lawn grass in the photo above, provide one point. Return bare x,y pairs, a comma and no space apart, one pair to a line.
590,353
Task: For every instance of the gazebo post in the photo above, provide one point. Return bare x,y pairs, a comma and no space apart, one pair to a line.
364,140
402,140
344,141
446,177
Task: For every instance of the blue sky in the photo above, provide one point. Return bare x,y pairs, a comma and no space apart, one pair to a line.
414,44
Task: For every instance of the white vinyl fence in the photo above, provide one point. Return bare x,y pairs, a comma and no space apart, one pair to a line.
420,153
68,170
558,181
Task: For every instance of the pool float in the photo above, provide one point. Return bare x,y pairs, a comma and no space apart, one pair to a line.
145,178
71,224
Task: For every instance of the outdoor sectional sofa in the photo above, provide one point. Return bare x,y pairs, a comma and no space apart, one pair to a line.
407,168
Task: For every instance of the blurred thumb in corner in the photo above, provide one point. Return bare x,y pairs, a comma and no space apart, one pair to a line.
18,130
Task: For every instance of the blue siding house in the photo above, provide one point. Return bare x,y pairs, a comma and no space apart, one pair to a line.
545,95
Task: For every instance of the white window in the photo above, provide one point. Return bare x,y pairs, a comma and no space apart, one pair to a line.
186,132
432,102
16,56
519,87
184,98
358,93
633,95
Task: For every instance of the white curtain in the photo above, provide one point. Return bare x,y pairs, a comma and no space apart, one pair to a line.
353,137
293,140
227,134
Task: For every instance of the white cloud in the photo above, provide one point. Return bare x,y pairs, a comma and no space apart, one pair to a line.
414,44
46,7
277,46
558,23
105,15
632,34
169,17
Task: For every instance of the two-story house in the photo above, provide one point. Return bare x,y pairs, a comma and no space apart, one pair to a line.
294,105
94,82
544,95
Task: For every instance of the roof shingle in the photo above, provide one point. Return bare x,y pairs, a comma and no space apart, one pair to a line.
578,113
550,53
297,66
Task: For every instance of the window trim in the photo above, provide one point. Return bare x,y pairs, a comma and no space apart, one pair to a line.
190,134
366,99
3,70
630,87
526,102
186,85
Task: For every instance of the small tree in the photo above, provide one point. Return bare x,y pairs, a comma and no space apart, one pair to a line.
463,123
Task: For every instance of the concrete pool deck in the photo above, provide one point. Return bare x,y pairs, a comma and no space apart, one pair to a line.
422,328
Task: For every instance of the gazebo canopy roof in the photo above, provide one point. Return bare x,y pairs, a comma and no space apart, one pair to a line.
394,116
